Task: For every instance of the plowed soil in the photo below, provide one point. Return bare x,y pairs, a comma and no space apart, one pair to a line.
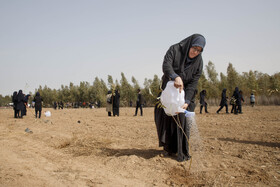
85,147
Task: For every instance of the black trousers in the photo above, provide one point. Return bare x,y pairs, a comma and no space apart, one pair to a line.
141,109
201,107
226,105
36,112
239,108
16,113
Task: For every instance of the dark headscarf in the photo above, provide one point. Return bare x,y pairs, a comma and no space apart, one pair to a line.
199,41
20,96
26,98
14,98
236,95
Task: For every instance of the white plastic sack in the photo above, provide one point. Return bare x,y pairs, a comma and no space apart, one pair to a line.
47,113
172,100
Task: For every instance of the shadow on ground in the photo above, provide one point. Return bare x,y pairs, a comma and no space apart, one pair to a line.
268,144
144,153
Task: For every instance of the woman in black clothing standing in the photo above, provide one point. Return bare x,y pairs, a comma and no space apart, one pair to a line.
38,104
14,99
116,103
20,103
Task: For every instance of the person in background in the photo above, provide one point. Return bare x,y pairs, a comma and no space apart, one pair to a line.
223,101
109,106
60,105
252,99
182,64
202,101
139,103
38,104
116,103
25,102
237,98
14,100
20,103
55,105
239,104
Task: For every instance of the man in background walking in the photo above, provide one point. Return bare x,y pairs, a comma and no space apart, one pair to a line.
139,103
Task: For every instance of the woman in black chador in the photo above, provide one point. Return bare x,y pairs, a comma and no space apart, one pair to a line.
237,98
116,103
14,99
223,101
239,103
20,103
25,102
202,101
38,104
183,64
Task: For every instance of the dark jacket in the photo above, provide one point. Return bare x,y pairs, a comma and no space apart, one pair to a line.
224,97
174,63
116,99
236,95
38,101
20,100
14,100
202,95
139,99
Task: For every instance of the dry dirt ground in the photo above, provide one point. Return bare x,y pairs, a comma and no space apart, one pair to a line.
85,147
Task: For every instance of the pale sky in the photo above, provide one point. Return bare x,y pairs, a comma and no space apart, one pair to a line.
55,42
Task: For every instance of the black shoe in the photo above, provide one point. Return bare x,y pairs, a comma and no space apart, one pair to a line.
181,159
217,112
184,158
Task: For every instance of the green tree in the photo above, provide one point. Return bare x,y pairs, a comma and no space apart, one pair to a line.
232,78
202,82
223,82
212,86
110,82
126,91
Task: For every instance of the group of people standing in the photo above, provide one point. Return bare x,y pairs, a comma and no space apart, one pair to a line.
58,105
113,103
20,103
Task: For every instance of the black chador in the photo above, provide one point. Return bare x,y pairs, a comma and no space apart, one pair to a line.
20,103
116,103
178,64
223,101
38,104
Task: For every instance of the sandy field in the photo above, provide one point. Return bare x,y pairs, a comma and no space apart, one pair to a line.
85,147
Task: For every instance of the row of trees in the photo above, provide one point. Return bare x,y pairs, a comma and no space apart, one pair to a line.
264,86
